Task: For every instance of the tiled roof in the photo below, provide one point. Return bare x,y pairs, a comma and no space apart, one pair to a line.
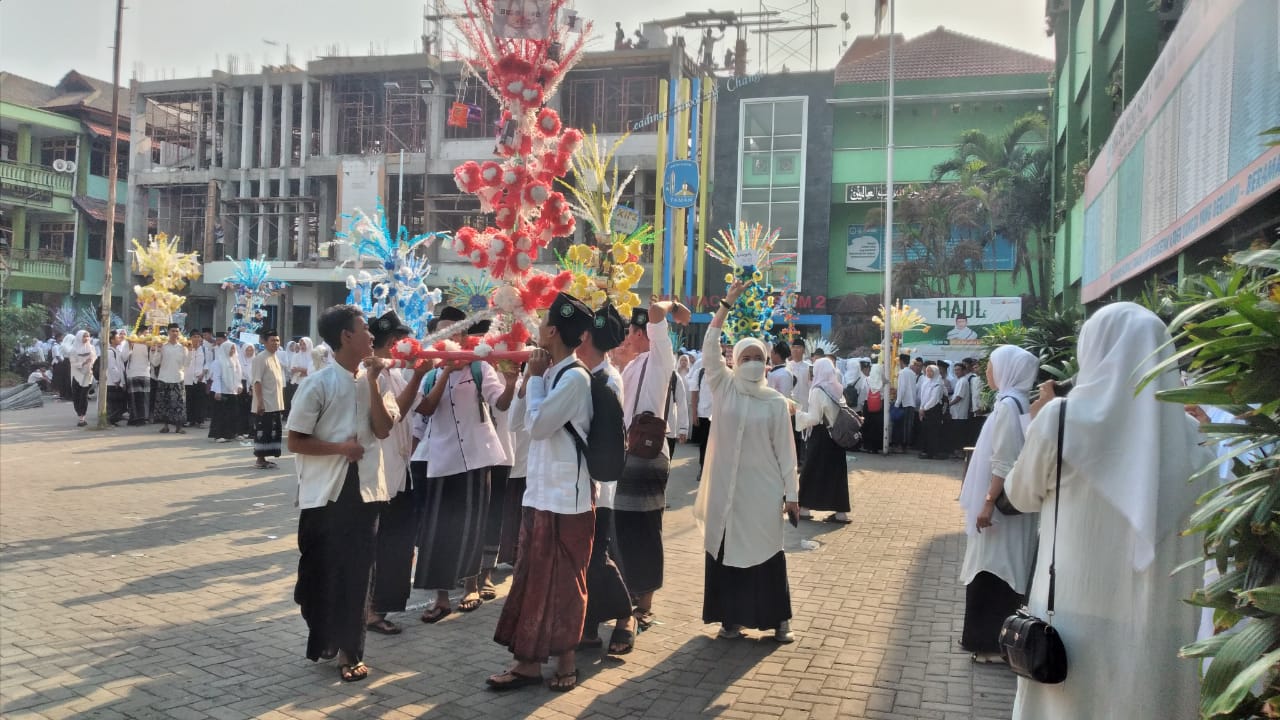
73,91
940,53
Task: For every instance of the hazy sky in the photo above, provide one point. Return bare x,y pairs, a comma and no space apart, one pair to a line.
43,39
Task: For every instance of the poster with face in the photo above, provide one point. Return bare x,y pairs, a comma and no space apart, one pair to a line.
522,19
956,325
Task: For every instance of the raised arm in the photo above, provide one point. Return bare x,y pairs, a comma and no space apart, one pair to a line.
712,361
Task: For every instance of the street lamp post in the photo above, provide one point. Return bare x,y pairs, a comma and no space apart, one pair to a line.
886,344
113,175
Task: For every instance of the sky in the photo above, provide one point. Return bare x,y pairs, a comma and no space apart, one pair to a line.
43,39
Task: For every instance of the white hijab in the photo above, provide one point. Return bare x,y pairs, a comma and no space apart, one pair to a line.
302,358
744,386
230,365
1014,370
1131,447
247,353
827,377
81,350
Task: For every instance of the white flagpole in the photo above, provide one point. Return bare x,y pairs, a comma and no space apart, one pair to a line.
886,358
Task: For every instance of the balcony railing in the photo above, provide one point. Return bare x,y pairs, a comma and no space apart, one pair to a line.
47,264
32,185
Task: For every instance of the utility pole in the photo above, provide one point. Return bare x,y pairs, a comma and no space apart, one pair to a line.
113,175
886,348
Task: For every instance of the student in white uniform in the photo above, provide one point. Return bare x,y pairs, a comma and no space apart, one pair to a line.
193,381
779,377
170,361
337,421
398,525
544,614
462,444
138,370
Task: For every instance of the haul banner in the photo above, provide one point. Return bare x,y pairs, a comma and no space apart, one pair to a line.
956,325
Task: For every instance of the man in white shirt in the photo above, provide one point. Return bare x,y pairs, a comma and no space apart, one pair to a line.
266,383
700,402
779,377
170,359
802,371
607,594
397,528
545,612
42,377
337,421
138,374
642,491
904,428
461,444
193,381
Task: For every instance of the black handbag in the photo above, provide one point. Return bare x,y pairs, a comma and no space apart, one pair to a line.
1031,646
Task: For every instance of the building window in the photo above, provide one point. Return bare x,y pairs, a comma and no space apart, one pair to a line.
60,148
100,159
56,240
483,112
8,146
612,105
584,103
771,174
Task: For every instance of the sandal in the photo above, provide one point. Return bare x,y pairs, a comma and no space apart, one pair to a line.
180,431
513,681
384,627
621,642
436,614
488,591
355,673
470,605
164,430
837,521
558,683
644,619
266,465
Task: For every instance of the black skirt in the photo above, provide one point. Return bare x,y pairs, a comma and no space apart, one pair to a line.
873,431
988,601
637,548
607,594
338,543
824,480
452,532
397,531
223,417
757,597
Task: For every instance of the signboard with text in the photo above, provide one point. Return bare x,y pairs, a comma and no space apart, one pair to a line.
866,245
860,192
957,324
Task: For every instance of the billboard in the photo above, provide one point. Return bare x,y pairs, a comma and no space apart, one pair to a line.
957,324
1186,155
865,245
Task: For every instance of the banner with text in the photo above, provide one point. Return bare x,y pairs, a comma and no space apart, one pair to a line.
956,325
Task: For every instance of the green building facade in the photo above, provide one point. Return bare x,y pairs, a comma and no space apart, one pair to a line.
55,144
946,83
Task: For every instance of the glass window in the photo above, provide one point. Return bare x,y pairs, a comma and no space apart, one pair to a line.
788,117
755,195
787,142
756,213
786,217
785,194
759,119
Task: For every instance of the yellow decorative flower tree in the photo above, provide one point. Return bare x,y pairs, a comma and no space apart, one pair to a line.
169,269
903,319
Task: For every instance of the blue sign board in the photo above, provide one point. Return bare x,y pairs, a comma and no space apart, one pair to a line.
680,184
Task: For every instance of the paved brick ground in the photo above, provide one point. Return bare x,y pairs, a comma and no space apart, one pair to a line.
146,575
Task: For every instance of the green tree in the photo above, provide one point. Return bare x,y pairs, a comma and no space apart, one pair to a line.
19,326
926,219
1011,183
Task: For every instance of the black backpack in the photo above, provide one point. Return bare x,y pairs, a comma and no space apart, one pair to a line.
605,444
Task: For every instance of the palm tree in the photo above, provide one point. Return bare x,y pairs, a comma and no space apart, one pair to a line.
1006,179
928,216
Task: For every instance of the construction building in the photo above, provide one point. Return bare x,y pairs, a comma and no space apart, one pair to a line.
265,165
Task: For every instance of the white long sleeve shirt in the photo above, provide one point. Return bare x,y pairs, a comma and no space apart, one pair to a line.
519,434
655,367
906,389
698,383
194,371
138,361
459,437
678,415
115,365
800,393
963,406
170,360
558,480
781,379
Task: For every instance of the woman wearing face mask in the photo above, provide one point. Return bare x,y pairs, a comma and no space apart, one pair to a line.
824,481
750,475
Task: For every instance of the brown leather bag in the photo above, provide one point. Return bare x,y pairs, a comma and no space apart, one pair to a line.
648,433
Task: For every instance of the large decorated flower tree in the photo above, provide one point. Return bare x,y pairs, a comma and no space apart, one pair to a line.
252,286
158,300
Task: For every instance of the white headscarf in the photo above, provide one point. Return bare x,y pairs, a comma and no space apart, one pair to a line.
81,350
247,353
747,387
826,376
302,358
1014,370
1131,447
231,371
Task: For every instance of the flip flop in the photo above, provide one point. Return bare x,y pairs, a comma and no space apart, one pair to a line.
626,638
836,520
488,591
516,682
354,673
384,627
557,680
644,618
436,614
470,605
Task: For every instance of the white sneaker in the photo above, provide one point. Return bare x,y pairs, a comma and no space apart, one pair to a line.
783,633
729,632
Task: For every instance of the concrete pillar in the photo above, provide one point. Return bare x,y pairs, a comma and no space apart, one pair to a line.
230,134
306,126
268,116
18,223
247,98
286,125
242,231
328,132
262,234
24,144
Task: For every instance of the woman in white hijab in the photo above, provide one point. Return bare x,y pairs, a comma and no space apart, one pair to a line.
300,366
932,402
750,475
246,423
227,375
824,477
1001,548
82,355
1126,460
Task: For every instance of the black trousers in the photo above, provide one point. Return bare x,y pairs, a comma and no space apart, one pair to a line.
80,398
701,432
196,394
932,441
117,403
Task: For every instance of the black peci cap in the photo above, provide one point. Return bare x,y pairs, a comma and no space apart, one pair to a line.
607,328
